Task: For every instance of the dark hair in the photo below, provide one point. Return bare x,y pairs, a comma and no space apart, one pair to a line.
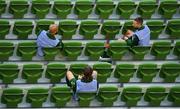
139,20
87,77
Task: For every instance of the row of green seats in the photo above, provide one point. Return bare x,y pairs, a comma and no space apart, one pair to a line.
89,28
107,95
72,50
83,8
123,72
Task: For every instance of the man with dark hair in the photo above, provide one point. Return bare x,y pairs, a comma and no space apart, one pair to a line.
140,37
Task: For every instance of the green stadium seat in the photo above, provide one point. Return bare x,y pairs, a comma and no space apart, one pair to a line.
127,26
43,25
55,72
88,29
36,96
85,98
146,8
139,52
156,27
4,28
62,8
3,6
26,50
124,72
131,95
104,8
67,28
173,28
83,8
6,50
12,97
110,29
77,69
8,72
18,8
126,8
117,50
50,52
177,49
40,8
32,72
22,29
94,50
170,71
161,49
60,95
107,95
104,71
154,95
167,8
72,50
174,95
146,72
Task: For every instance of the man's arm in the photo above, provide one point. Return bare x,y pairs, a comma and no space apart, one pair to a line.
133,40
60,44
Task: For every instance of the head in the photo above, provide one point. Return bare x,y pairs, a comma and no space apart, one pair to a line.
53,29
137,23
87,75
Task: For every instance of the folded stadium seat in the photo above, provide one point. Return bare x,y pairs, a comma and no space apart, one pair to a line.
60,95
104,8
124,72
94,50
83,8
161,49
40,8
156,27
6,50
117,50
43,25
18,8
85,98
36,96
154,95
167,8
22,29
104,71
127,26
146,72
77,69
146,8
67,28
8,72
174,95
173,28
88,29
170,71
55,72
4,28
12,97
3,6
177,49
26,50
139,51
62,8
131,95
126,8
110,29
50,52
107,95
32,72
72,50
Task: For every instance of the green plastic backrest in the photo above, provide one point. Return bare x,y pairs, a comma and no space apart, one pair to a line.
94,44
18,2
72,44
125,66
132,89
32,66
89,22
9,91
56,66
162,44
155,89
84,2
67,22
126,2
27,44
174,22
60,89
148,66
108,88
8,66
177,44
9,44
111,23
147,2
78,65
40,1
168,1
62,2
155,23
170,66
175,89
4,22
38,91
102,66
104,1
118,44
23,23
44,22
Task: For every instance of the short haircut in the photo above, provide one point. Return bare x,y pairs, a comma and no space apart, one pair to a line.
139,20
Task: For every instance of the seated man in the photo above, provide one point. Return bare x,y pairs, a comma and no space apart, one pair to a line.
48,39
140,37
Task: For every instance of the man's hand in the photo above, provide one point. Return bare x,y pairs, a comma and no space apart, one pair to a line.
129,33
